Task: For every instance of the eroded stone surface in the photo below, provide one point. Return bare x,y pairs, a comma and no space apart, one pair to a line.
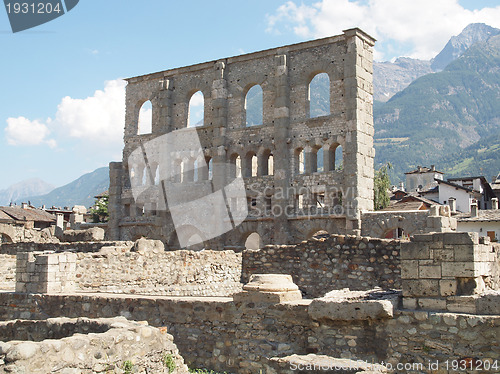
345,305
86,346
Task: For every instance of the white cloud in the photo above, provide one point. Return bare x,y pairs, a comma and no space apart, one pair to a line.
99,118
22,131
96,121
419,29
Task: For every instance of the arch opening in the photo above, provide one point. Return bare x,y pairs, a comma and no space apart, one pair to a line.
253,241
4,238
319,95
254,106
196,112
300,161
145,121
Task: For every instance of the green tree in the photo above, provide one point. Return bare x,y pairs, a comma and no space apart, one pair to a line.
100,209
382,184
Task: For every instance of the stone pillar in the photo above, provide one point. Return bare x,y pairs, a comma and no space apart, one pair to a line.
164,104
269,288
59,225
358,149
39,272
440,270
220,166
282,172
115,206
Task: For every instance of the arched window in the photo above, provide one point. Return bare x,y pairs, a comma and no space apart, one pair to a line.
157,175
4,238
237,164
320,167
196,171
270,164
210,168
145,125
253,241
253,106
334,161
177,171
319,96
196,114
255,165
339,159
300,161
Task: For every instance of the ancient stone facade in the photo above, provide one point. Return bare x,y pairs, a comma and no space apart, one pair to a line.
290,200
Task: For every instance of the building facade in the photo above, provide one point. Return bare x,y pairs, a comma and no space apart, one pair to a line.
287,162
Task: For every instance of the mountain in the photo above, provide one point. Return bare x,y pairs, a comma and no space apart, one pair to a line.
79,192
453,112
29,187
391,77
472,34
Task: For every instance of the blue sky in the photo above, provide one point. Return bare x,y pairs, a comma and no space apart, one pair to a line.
62,105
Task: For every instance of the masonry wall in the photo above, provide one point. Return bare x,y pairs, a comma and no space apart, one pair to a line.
239,337
328,263
176,273
7,272
377,224
14,248
284,75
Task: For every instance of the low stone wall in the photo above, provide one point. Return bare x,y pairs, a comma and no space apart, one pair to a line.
7,272
99,346
436,219
330,263
176,273
223,335
14,248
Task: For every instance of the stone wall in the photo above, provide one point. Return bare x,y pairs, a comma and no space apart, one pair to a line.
7,272
440,271
85,346
220,334
287,129
322,264
176,273
15,233
14,248
436,219
38,272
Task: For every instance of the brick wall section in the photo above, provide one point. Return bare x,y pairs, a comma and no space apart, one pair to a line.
239,337
438,269
325,264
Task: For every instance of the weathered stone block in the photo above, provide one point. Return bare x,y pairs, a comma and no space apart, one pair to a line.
409,303
422,287
461,238
448,287
430,272
432,304
443,255
415,251
458,269
409,269
464,252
